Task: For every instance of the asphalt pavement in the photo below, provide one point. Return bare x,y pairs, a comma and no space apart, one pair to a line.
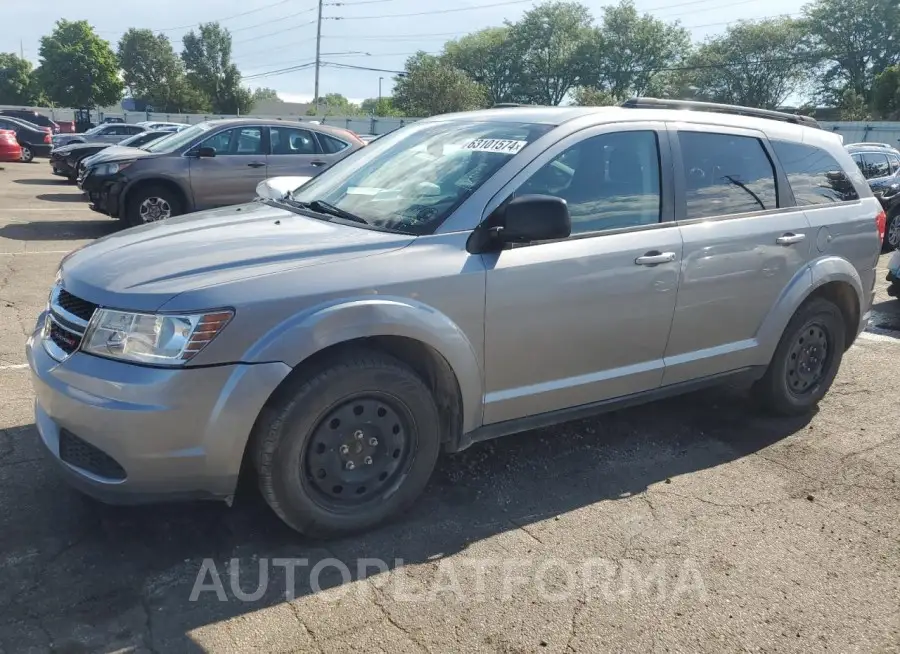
691,525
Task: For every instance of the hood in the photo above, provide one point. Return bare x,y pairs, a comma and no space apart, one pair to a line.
144,267
78,147
122,153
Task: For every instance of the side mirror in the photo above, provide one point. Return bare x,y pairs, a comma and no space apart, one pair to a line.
277,188
535,218
206,151
524,219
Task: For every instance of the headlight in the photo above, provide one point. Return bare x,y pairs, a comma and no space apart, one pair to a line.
158,339
111,168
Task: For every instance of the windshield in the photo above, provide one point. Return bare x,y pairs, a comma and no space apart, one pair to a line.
412,179
94,130
178,139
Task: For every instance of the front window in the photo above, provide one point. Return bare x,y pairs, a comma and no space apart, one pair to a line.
95,130
179,139
413,179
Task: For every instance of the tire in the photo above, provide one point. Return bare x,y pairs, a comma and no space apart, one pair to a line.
27,154
778,389
167,202
892,232
299,445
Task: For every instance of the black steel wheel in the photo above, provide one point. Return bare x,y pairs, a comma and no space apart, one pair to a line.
349,446
806,360
359,451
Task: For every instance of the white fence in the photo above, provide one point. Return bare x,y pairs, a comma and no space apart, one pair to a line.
853,132
358,124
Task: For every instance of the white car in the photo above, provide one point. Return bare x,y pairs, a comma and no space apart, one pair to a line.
156,125
893,276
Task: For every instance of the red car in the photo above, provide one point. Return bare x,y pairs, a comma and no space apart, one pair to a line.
10,150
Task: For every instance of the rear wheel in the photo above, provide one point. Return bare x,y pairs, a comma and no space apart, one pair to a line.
892,232
348,447
806,360
27,154
152,204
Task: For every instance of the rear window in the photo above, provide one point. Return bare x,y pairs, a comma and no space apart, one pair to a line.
330,144
814,175
725,174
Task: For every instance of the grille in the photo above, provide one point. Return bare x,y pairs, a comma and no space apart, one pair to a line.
75,305
65,340
81,454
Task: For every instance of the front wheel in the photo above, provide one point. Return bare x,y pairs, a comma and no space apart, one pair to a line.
27,154
152,204
348,447
806,360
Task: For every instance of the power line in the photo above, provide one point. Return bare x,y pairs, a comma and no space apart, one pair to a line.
432,13
216,20
286,29
269,22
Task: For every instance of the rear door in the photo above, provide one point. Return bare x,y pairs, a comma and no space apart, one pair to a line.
744,241
294,152
231,176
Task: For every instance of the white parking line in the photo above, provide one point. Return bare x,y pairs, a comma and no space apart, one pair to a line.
17,366
881,336
38,252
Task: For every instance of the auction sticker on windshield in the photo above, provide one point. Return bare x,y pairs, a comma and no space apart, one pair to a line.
506,146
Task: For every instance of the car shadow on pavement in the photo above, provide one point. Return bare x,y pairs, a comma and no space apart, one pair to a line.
43,181
59,230
61,197
130,571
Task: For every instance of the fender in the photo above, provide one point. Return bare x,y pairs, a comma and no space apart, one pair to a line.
815,275
332,323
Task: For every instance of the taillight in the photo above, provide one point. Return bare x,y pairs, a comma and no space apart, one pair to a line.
48,138
881,223
7,136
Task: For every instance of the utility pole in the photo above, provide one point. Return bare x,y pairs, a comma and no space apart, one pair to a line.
318,56
21,49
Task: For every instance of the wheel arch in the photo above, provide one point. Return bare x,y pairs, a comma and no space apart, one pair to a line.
419,335
832,278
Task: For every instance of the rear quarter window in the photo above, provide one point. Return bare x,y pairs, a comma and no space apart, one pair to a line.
331,145
814,175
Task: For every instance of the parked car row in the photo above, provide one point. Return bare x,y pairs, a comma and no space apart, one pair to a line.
34,141
880,165
65,160
211,164
462,278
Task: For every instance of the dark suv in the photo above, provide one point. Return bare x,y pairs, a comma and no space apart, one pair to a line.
32,117
880,165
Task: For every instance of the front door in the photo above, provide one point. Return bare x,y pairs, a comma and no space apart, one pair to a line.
231,176
585,319
744,241
294,152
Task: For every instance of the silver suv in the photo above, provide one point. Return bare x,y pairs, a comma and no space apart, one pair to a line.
465,277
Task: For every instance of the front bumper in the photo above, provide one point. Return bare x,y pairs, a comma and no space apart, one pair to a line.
103,192
173,433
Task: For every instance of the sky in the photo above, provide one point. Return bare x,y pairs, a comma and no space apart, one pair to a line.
272,35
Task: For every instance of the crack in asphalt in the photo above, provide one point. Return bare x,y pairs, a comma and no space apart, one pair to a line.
379,600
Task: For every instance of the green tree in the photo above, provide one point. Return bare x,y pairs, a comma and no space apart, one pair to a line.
16,83
207,59
756,64
379,107
629,51
333,104
588,96
264,93
886,94
430,86
855,39
154,73
489,57
550,43
78,68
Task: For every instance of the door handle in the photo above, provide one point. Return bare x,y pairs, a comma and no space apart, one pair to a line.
256,164
790,238
654,257
317,163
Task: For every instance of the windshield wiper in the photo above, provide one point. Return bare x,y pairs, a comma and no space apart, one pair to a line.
320,206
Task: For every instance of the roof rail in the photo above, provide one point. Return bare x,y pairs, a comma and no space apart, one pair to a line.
507,105
691,105
869,144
